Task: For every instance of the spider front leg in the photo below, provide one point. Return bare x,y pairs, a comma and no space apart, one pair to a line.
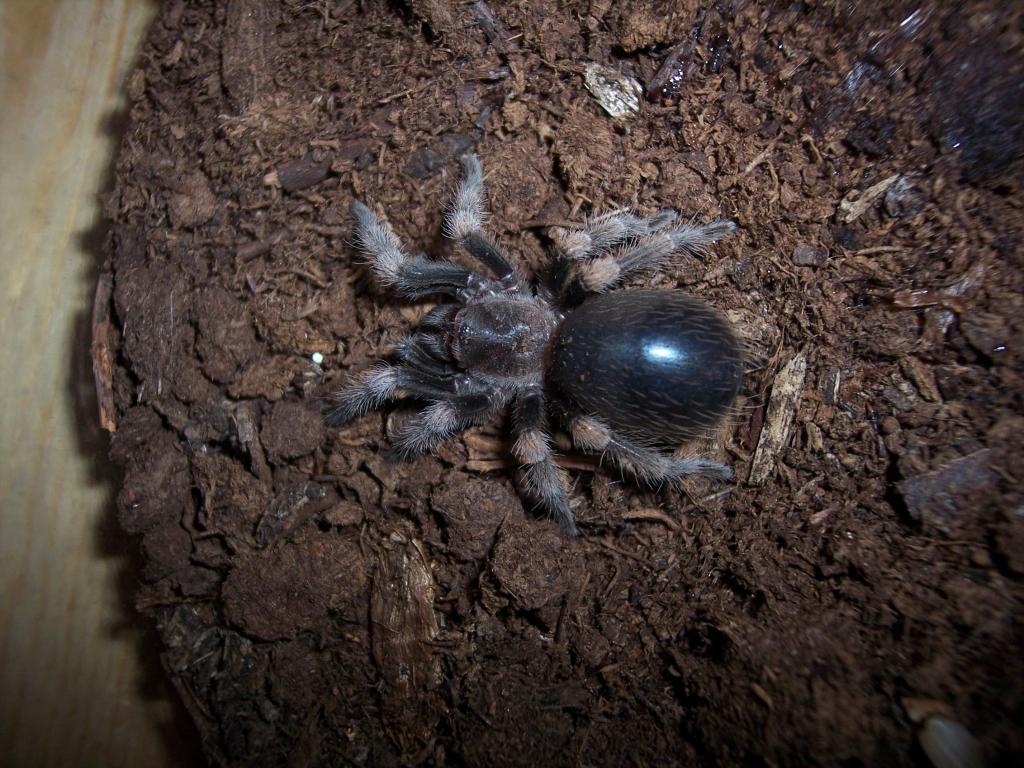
412,276
533,450
644,463
601,233
464,223
617,245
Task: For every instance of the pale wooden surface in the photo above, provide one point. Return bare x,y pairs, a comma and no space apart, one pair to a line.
74,689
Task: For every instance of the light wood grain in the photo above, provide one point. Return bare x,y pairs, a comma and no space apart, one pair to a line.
73,683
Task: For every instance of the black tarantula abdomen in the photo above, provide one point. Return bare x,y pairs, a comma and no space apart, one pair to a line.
656,364
622,371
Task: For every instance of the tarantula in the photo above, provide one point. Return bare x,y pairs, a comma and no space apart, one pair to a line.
624,371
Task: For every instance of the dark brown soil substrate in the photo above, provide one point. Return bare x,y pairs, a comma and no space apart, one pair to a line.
322,606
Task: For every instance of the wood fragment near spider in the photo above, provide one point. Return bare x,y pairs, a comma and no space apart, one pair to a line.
782,407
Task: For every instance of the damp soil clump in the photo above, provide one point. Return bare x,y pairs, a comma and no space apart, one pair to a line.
320,604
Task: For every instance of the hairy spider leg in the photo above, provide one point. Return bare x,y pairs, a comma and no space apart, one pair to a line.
444,418
465,220
456,399
646,464
574,248
427,352
646,254
412,276
618,245
532,449
385,382
602,233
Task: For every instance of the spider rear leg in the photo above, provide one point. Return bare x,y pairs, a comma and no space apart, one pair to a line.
442,419
383,383
532,449
644,463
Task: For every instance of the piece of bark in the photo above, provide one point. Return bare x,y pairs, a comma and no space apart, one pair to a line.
244,51
102,355
775,434
248,436
300,173
403,625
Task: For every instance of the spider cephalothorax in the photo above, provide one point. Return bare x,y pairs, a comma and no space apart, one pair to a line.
624,371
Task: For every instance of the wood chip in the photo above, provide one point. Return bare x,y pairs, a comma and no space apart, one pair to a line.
805,255
786,391
244,65
762,694
300,173
404,625
853,209
249,436
102,356
921,374
489,465
618,94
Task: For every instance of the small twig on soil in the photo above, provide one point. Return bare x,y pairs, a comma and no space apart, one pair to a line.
488,465
762,694
880,249
316,281
928,297
583,462
650,513
611,583
329,230
633,556
717,495
776,186
407,92
761,157
250,250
